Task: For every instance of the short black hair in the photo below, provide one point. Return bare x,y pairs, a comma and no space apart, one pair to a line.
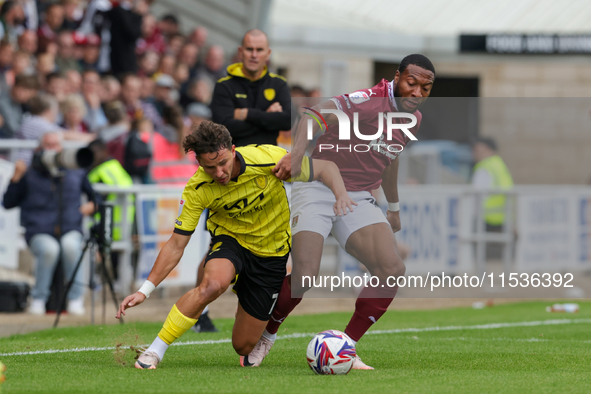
418,60
98,145
209,137
170,18
54,75
489,142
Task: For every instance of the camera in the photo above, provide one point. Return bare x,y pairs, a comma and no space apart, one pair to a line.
69,158
103,229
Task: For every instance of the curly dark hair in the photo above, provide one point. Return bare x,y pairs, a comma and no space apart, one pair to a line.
209,137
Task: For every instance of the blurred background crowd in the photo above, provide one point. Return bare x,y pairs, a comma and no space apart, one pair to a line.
110,70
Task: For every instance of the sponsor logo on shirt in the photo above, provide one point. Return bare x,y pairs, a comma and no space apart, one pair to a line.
358,97
181,205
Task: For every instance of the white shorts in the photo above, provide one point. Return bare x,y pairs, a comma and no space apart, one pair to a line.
312,210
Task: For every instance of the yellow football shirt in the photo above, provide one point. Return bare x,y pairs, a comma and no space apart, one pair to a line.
252,208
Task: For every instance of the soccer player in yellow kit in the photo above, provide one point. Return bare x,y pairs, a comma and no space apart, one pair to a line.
249,224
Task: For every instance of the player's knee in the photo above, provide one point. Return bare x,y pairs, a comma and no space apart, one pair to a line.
211,288
395,267
242,347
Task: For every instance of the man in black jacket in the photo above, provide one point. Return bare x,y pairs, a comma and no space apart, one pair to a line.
251,102
126,28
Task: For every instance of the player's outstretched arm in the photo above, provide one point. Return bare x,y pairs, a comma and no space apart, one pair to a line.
167,259
290,166
390,187
329,174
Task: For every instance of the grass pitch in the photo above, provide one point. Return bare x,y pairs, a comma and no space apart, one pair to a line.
507,348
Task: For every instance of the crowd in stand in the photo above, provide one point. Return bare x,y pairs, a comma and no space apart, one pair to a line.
109,70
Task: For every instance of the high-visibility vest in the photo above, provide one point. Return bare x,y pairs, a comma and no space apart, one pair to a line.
494,205
111,172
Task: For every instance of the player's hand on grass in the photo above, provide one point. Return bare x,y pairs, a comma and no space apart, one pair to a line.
343,203
283,168
130,301
394,220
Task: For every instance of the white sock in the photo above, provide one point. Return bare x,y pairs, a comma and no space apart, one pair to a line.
205,310
269,336
159,347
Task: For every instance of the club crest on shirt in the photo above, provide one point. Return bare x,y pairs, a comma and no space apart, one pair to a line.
294,221
358,97
269,94
261,181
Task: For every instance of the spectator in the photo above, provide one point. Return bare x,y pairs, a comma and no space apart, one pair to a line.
199,37
170,165
12,103
166,65
21,64
136,108
189,55
66,59
55,85
126,23
198,91
197,113
42,118
114,134
72,14
148,87
162,93
6,59
151,39
11,15
213,69
73,81
168,25
51,26
51,213
138,153
27,42
265,107
148,64
91,91
111,88
90,45
95,21
74,111
181,75
175,44
45,66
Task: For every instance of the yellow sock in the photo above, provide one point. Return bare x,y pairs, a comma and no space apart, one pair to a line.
176,324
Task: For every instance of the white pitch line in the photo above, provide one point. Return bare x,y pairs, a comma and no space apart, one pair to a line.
311,334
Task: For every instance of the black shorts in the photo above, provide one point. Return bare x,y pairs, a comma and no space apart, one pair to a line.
259,278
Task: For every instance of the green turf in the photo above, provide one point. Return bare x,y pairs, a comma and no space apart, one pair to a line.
530,359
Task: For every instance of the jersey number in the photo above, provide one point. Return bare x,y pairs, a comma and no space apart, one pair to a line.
275,296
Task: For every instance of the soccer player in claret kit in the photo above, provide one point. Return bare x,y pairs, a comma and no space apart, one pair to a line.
249,224
365,233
